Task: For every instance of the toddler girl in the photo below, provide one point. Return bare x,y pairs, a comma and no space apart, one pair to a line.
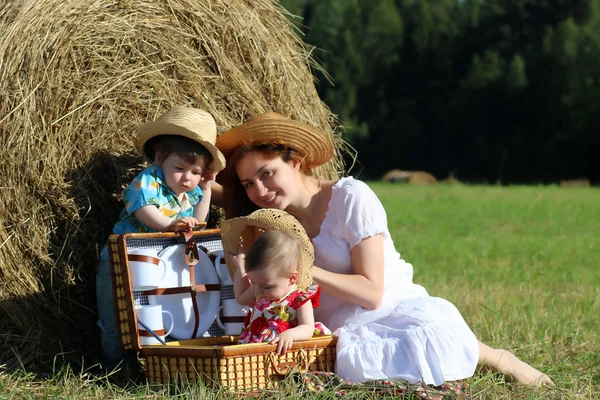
267,278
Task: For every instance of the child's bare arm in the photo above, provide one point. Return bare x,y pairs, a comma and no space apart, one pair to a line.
152,217
305,329
243,290
201,209
206,183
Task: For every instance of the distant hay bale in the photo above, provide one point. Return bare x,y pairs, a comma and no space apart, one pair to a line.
576,183
412,177
76,79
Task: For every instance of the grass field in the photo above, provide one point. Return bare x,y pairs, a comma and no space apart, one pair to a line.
521,263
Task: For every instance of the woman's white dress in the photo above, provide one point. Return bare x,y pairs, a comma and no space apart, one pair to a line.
411,336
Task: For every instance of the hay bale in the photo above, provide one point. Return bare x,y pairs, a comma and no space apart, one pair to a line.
412,177
76,79
576,183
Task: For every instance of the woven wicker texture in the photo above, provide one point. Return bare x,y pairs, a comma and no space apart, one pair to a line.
243,231
218,361
192,123
118,246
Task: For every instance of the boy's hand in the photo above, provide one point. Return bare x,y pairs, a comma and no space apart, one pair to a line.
207,179
284,341
185,224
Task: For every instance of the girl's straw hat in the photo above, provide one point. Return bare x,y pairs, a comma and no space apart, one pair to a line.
192,123
243,231
315,146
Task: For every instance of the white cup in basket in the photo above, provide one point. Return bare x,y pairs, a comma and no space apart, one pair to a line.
145,269
221,268
152,317
234,314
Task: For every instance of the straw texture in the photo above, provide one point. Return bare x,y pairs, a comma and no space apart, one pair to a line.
77,79
243,231
316,147
192,123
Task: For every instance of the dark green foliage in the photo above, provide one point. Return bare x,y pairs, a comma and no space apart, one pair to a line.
492,90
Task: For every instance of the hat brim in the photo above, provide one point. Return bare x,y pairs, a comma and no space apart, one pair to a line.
315,146
158,128
235,233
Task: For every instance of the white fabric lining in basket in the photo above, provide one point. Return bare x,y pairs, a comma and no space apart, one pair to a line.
211,242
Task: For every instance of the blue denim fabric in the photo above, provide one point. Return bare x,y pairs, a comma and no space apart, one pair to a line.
112,350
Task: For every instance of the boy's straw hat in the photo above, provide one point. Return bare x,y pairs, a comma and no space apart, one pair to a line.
315,146
192,123
243,231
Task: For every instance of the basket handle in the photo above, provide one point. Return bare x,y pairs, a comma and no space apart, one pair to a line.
283,368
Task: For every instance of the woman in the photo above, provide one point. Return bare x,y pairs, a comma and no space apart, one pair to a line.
388,327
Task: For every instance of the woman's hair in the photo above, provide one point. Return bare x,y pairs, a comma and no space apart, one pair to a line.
235,200
276,248
185,148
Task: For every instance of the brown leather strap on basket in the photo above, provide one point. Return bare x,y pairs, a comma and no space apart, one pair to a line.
159,332
182,289
191,259
143,258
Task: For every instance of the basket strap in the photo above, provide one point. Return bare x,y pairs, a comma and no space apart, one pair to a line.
191,259
151,332
211,287
159,332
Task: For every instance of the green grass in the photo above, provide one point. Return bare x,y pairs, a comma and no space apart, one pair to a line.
521,263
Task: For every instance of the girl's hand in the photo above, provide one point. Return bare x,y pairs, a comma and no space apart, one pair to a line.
284,341
239,260
207,179
185,224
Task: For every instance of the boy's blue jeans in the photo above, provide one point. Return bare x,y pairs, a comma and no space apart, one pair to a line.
112,350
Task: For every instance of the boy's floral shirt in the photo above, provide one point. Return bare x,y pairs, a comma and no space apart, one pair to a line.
269,318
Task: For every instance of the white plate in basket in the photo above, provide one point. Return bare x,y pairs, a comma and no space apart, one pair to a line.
180,305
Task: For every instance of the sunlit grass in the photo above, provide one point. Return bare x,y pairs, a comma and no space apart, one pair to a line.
521,263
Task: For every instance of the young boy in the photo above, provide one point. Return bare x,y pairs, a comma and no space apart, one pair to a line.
173,194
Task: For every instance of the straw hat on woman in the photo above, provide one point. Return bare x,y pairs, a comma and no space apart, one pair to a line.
388,326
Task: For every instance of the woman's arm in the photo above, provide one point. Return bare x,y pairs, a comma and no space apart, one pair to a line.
217,194
365,286
305,329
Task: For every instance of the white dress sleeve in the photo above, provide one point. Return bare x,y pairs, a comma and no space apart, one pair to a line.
358,212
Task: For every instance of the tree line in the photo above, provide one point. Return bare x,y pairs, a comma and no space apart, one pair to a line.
489,90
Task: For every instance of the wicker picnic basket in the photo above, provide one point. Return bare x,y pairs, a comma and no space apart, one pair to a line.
214,358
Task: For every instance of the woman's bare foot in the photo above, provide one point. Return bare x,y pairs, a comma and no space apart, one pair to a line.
515,370
509,365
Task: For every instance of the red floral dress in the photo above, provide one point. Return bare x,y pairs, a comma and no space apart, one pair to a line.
269,318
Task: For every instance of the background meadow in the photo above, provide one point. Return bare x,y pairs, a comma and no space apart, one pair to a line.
521,263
